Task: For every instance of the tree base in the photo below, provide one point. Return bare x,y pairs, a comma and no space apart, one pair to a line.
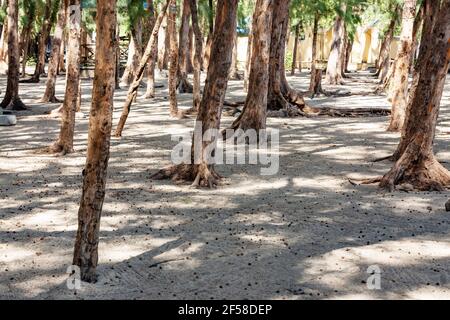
427,175
201,175
56,148
51,100
14,105
185,87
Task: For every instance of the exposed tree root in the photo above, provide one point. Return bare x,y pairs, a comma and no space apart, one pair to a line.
357,182
390,158
201,175
425,175
56,148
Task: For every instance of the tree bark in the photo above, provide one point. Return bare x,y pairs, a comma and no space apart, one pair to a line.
294,55
234,74
183,84
207,52
64,144
385,51
26,34
253,115
49,94
100,124
201,171
249,57
134,53
12,101
4,37
45,33
197,57
62,54
149,54
313,80
401,73
173,60
150,93
334,72
416,164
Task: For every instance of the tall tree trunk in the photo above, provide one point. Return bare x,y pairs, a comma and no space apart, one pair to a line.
348,55
183,84
134,53
64,144
162,46
100,124
416,27
49,94
400,87
234,74
26,35
334,75
207,53
280,95
12,101
198,55
201,171
45,33
295,52
62,54
150,92
4,37
417,164
173,60
313,81
148,55
248,60
253,115
343,56
385,51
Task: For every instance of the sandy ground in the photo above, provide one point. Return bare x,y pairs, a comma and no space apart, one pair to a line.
305,233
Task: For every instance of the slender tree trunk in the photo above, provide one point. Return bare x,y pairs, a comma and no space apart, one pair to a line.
117,73
100,124
385,51
150,93
26,35
313,82
4,37
348,55
183,84
234,74
248,60
334,75
198,55
401,73
417,24
45,32
162,46
343,56
201,171
207,53
294,55
173,61
253,115
62,54
148,55
134,53
64,144
49,94
12,101
417,164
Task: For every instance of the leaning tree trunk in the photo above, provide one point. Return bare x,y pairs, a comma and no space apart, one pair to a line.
64,144
149,54
12,101
45,32
173,60
197,57
385,51
334,75
134,53
201,170
49,94
313,85
183,84
253,115
416,164
150,92
401,73
100,124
